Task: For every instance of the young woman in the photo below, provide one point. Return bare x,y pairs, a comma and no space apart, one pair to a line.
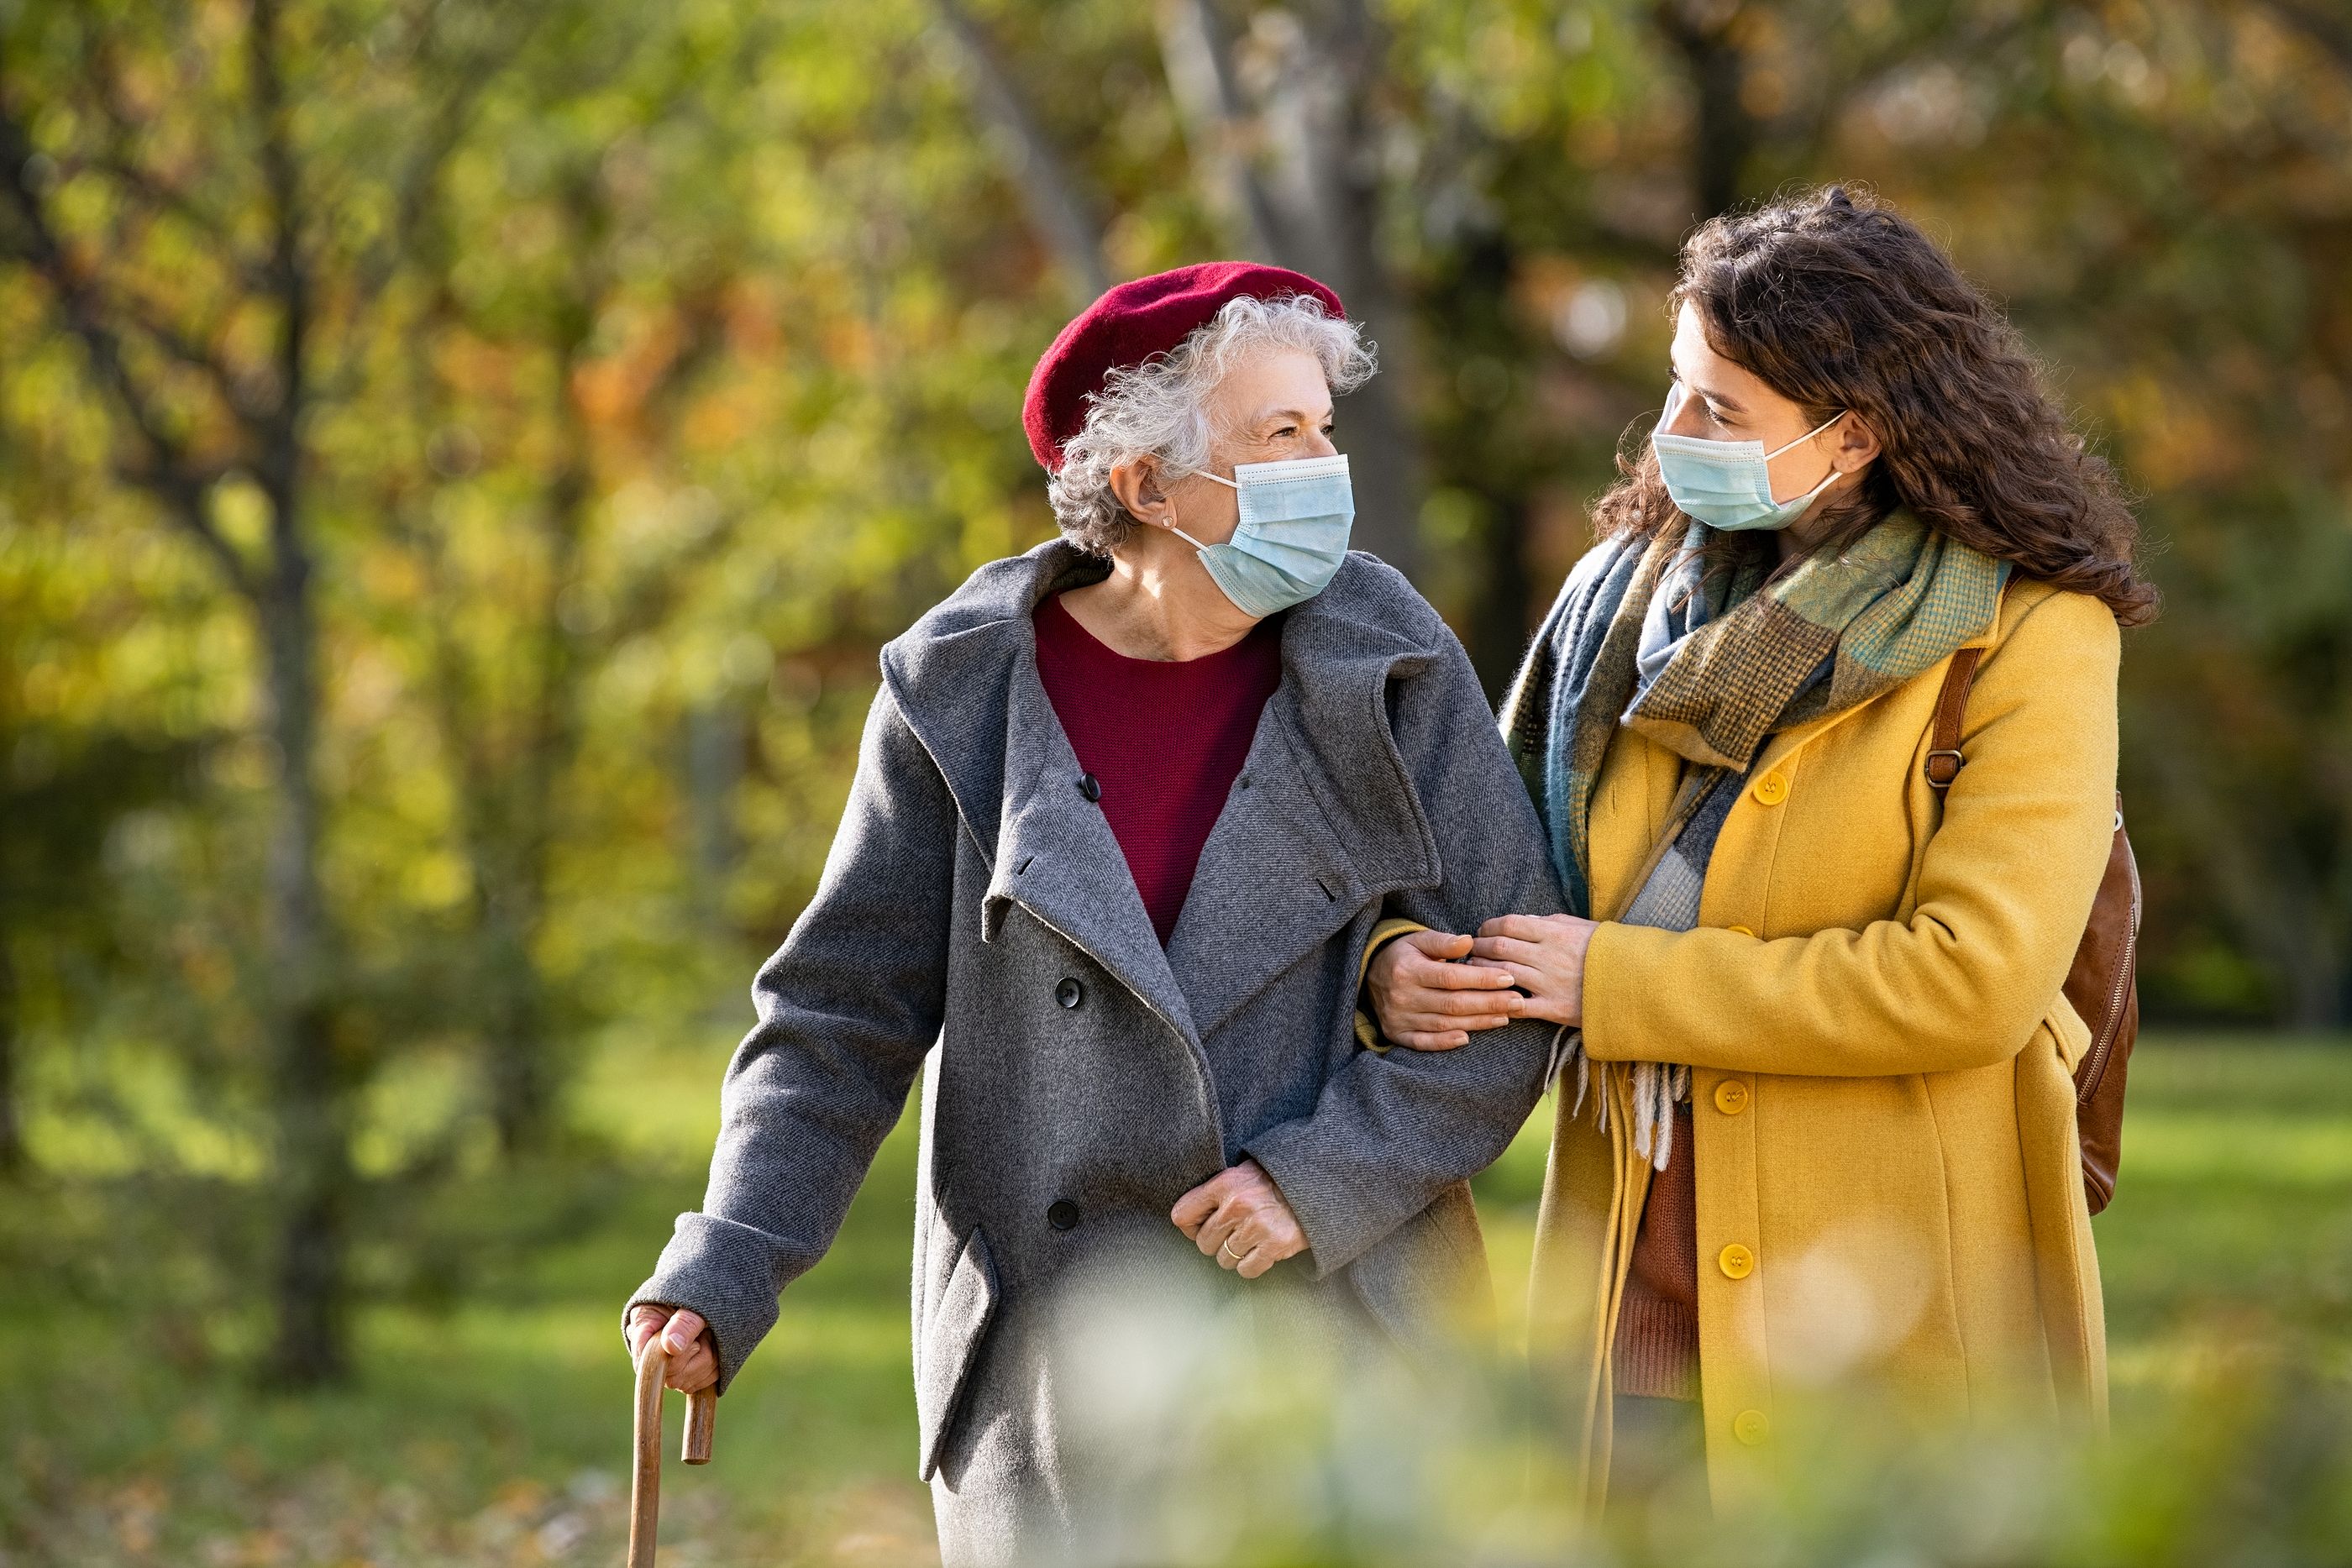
1820,1129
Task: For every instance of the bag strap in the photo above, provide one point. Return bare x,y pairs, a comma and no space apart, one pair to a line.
1944,760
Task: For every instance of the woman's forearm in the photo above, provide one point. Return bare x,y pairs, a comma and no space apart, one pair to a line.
1889,999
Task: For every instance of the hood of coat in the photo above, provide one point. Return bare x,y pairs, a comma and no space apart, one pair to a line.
1324,770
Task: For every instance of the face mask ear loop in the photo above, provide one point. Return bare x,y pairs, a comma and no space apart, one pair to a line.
1180,533
1828,479
1204,473
1808,436
1835,472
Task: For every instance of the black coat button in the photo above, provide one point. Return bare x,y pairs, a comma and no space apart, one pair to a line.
1062,1214
1090,786
1069,993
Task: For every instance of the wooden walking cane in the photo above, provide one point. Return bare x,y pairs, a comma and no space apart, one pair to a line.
645,1483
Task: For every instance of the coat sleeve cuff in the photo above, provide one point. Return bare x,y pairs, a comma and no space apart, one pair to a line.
726,1273
1620,966
1334,1216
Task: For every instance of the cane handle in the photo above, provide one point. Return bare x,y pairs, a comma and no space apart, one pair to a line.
645,1482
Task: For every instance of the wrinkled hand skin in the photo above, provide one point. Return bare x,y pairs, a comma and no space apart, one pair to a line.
1426,1001
1240,1218
1544,956
692,1363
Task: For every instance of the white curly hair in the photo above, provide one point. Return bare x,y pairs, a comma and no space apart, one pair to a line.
1160,408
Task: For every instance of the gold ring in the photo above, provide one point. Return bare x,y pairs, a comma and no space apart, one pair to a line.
1228,1250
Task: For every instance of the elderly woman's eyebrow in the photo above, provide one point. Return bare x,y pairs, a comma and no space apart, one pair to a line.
1294,416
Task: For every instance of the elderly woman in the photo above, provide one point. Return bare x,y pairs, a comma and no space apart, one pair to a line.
1128,810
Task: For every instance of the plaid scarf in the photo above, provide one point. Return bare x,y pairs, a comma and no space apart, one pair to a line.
1710,657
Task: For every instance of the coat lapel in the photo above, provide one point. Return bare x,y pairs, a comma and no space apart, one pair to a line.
1057,858
1321,822
965,678
1326,823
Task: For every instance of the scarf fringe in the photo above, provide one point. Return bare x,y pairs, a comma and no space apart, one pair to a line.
1658,1088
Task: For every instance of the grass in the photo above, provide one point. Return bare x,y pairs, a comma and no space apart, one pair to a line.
493,1428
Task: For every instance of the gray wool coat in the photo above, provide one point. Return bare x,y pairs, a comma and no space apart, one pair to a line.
976,911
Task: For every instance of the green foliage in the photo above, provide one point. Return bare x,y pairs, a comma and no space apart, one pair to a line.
493,1428
458,463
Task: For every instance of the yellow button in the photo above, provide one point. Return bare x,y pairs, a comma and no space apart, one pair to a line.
1736,1261
1772,788
1741,930
1732,1098
1750,1427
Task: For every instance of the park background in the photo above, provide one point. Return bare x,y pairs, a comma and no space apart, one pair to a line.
458,460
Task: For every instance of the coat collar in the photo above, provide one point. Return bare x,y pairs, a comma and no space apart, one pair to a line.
1322,818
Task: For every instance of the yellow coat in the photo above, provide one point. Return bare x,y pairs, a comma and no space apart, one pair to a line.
1888,1190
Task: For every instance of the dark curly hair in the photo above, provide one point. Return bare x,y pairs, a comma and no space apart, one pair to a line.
1837,302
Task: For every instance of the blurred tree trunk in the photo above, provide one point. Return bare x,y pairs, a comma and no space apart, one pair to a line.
310,1099
312,1087
2294,918
2326,23
1062,212
1498,624
1312,205
524,1074
260,409
515,743
513,863
509,774
1479,449
313,1108
2320,984
1705,34
1290,165
506,785
715,739
12,1128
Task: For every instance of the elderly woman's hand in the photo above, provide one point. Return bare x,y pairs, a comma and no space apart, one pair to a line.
1544,956
1240,1217
1425,1000
692,1364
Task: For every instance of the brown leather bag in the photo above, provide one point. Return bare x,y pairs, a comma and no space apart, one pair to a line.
2102,985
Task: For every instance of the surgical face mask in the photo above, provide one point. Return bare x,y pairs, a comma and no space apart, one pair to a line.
1292,536
1724,484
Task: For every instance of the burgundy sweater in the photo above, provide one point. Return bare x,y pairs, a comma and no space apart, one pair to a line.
1163,741
1657,1324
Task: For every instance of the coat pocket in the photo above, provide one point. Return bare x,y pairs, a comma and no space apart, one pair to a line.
2068,1032
952,1332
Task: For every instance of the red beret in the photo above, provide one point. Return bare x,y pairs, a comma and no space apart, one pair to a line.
1129,325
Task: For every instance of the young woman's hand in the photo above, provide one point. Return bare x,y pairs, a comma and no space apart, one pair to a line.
1425,1001
1544,956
